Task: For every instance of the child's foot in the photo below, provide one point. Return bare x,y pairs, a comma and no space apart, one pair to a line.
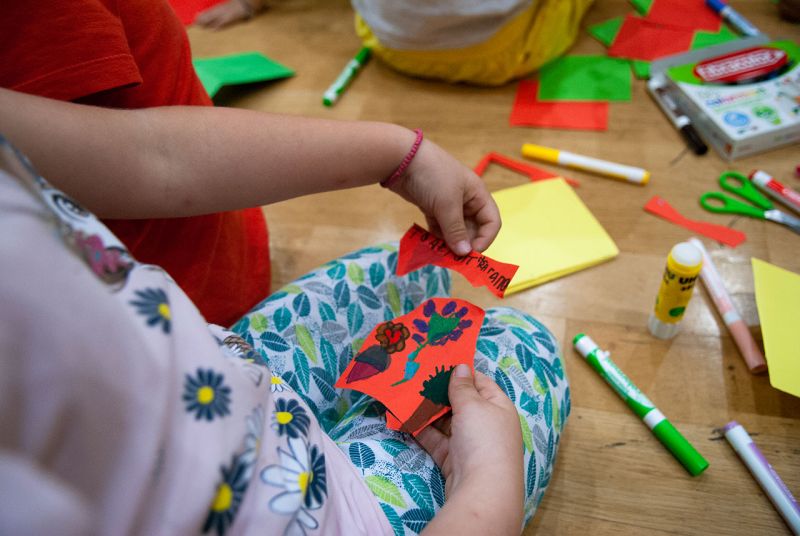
227,13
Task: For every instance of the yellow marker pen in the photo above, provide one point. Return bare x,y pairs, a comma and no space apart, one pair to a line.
683,268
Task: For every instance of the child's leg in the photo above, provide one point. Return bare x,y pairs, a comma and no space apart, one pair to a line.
523,358
308,331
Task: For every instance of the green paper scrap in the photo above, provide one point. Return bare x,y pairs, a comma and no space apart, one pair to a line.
585,78
641,69
707,39
607,31
642,6
241,68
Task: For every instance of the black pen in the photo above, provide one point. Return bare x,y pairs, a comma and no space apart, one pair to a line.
676,116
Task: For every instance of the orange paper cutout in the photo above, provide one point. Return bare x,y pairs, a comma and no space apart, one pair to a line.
720,233
419,248
529,111
406,363
533,173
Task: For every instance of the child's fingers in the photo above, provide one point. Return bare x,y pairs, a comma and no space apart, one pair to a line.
462,388
489,390
434,443
450,217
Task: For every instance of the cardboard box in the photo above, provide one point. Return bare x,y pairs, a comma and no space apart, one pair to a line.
742,96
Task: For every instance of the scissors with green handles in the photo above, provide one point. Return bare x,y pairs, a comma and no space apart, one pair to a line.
758,206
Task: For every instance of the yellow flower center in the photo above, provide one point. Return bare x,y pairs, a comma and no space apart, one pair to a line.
205,395
163,310
223,499
303,480
283,417
276,381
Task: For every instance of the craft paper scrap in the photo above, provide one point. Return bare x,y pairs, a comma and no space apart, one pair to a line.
778,303
641,39
585,78
406,363
529,111
642,6
242,68
708,39
606,32
419,248
720,233
187,10
691,14
548,232
533,173
641,69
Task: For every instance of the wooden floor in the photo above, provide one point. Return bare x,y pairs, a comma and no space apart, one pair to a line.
612,476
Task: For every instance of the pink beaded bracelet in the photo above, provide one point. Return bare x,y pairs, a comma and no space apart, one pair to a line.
393,178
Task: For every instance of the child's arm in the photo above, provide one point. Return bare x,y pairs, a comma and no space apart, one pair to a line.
189,160
481,458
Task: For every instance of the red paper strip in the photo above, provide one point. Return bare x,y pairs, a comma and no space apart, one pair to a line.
187,10
533,173
691,14
406,363
529,111
641,39
720,233
419,248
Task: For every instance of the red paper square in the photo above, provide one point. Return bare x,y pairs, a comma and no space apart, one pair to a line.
691,14
641,39
531,112
187,10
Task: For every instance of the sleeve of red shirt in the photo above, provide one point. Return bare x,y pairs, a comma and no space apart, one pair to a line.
45,56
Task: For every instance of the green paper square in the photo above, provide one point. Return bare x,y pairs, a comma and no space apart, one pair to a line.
607,31
641,69
642,6
585,78
708,39
242,68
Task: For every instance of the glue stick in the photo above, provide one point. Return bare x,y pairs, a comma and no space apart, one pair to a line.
680,275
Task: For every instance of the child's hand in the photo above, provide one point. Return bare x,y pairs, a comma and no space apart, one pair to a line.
481,458
227,13
455,201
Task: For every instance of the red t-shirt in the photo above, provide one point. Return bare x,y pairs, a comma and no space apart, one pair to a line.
135,54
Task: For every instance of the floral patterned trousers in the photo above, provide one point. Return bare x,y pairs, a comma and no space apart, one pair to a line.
308,332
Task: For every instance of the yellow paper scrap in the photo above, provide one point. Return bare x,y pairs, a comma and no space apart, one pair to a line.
778,302
548,232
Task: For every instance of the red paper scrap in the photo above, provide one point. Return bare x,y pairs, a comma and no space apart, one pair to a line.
406,363
529,111
187,10
641,39
534,173
419,248
720,233
691,14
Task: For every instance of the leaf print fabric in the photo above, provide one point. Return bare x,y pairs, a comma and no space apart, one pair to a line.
309,333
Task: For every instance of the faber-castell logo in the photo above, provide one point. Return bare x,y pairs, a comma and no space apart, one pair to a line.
745,64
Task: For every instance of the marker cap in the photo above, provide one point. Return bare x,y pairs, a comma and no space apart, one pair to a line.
692,460
584,344
716,5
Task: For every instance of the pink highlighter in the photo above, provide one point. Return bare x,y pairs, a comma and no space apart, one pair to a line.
722,300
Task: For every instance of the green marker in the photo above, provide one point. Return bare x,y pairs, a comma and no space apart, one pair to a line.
600,360
346,76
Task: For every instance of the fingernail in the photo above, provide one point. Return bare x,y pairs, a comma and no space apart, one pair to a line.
462,371
463,248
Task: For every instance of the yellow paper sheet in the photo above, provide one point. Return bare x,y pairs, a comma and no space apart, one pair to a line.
548,232
778,302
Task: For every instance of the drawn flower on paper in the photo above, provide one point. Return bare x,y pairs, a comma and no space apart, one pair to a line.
392,337
300,473
290,418
368,363
228,497
153,304
206,395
